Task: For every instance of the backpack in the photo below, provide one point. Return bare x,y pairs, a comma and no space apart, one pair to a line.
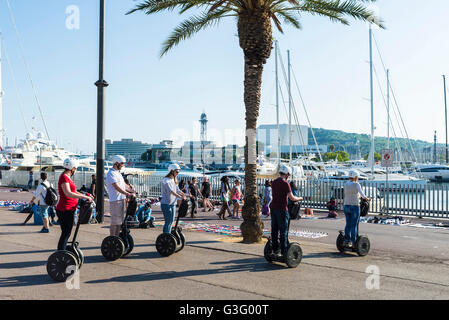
132,207
294,210
51,198
85,211
183,208
364,207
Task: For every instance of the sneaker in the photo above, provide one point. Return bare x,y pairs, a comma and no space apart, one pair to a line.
44,230
55,223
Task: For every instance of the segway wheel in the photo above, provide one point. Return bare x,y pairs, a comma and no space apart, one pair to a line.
362,246
267,251
112,248
166,244
129,244
77,253
341,242
294,255
61,265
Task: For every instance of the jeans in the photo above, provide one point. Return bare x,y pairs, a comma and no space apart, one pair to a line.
352,214
44,211
66,220
194,205
279,229
169,216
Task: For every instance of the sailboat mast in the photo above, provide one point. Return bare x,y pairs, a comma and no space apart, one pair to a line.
1,93
372,98
388,108
445,116
289,109
277,101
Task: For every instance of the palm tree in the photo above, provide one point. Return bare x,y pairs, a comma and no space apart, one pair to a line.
254,24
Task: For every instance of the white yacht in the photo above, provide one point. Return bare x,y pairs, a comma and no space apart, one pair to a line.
433,172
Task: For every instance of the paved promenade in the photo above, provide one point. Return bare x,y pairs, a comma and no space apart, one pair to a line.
412,263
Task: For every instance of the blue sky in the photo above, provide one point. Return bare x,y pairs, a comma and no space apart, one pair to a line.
151,99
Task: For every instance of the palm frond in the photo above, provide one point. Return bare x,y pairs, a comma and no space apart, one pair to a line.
193,25
153,6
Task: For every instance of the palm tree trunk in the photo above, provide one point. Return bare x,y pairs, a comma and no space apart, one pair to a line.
255,36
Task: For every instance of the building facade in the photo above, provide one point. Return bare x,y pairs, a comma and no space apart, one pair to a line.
130,149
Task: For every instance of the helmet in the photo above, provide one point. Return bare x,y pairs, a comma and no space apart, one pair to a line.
285,169
118,158
353,174
69,164
174,166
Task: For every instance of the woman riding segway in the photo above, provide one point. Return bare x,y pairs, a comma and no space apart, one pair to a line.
350,239
66,256
171,240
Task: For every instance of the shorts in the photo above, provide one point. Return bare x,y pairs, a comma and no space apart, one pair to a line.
235,201
118,210
44,211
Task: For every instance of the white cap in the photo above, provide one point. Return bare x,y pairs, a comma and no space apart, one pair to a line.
285,169
118,158
174,166
69,164
353,174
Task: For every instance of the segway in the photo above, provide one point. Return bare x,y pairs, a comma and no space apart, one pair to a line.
113,247
292,257
63,263
169,243
362,244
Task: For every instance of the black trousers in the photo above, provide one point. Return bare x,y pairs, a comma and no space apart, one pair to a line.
194,205
66,220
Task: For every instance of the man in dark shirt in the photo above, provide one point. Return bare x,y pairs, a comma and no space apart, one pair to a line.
194,191
279,212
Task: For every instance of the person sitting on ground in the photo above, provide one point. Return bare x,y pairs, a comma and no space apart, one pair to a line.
352,194
279,212
39,195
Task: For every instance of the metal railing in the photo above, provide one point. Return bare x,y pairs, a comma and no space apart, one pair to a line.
429,200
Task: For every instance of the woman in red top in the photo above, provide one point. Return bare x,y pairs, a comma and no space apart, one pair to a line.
68,201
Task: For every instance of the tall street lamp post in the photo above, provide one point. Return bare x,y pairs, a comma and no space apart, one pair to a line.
101,84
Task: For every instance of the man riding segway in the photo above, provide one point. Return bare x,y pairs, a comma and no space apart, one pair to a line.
280,217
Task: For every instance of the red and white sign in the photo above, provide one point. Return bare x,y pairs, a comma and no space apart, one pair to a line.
387,158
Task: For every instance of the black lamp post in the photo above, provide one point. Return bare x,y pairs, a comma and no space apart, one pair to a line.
101,84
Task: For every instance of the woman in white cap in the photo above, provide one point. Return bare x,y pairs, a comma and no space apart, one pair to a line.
353,193
68,201
170,193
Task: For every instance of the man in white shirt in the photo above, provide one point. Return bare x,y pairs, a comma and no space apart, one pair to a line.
39,195
117,194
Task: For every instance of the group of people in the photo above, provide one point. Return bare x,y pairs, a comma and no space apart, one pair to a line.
277,195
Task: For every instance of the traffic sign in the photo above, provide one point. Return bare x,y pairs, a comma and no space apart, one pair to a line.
387,158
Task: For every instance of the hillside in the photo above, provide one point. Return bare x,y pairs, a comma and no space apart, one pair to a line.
344,141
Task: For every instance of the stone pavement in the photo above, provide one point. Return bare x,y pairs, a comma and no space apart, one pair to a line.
218,267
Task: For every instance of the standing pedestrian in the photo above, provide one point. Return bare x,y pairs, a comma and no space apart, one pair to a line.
206,192
93,185
236,195
30,180
353,192
224,195
267,198
117,194
39,195
194,191
279,212
68,201
170,193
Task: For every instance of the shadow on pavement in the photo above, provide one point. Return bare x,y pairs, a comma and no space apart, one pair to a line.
240,265
333,255
22,264
25,281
